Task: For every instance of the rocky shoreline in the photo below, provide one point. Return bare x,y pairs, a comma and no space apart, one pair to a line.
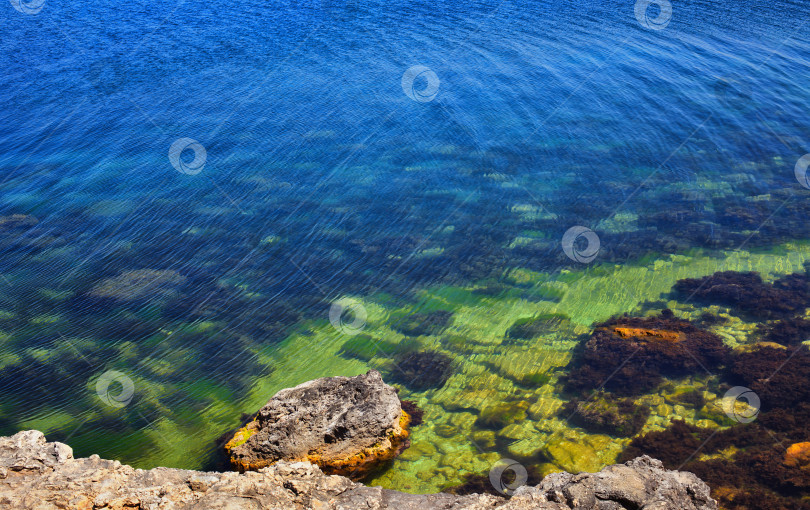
39,475
294,455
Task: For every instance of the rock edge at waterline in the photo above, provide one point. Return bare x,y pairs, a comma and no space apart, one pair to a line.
37,475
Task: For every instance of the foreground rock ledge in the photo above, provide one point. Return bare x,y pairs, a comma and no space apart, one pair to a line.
37,475
346,425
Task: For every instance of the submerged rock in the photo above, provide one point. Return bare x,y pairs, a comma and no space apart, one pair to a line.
139,284
418,324
345,425
498,416
631,355
422,370
531,327
797,455
38,475
605,414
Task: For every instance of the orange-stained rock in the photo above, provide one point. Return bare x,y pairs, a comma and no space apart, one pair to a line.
644,333
346,425
798,455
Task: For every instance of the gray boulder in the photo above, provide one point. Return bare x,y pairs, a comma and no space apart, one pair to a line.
345,425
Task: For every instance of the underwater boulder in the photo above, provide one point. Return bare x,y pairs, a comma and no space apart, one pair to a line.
422,370
139,284
631,355
365,347
421,324
498,416
797,455
607,415
531,327
345,425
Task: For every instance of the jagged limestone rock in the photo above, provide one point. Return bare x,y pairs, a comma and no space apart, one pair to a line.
37,475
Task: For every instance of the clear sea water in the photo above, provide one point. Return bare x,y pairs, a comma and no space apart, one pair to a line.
323,180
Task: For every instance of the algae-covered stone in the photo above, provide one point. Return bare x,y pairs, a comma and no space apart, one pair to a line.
418,450
462,420
574,457
498,416
604,413
139,284
531,327
364,347
485,439
422,370
544,407
534,379
419,324
518,430
459,343
445,430
526,448
473,389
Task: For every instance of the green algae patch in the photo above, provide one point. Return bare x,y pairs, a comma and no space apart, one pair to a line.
241,436
530,327
498,416
364,347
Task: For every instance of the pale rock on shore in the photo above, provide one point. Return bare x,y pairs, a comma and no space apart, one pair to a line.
38,475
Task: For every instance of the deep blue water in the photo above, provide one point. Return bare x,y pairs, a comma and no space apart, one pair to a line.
572,108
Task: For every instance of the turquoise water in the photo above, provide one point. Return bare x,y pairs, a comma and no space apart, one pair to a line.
205,274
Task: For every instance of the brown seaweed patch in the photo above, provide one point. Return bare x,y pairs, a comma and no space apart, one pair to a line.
606,414
779,376
631,355
421,371
792,331
420,324
747,292
481,484
414,411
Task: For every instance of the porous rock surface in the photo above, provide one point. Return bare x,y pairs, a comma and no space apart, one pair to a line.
37,475
345,425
